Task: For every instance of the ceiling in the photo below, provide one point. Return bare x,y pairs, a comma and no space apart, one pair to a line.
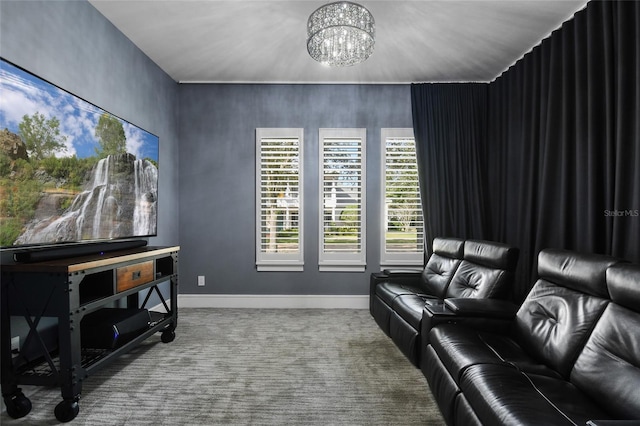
264,41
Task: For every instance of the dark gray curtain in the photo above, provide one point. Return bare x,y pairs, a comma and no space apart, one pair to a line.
560,153
564,140
449,123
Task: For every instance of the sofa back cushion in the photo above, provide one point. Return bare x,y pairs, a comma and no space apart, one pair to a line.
608,368
446,257
491,254
623,283
578,271
556,318
486,271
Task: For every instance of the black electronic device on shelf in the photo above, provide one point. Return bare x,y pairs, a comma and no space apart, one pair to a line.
110,328
74,250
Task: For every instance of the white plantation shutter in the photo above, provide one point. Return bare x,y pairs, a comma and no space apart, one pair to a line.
279,236
342,197
402,236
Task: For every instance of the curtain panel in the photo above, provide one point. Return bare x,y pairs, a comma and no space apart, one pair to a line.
560,150
449,122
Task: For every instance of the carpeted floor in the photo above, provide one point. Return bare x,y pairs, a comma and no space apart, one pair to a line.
254,367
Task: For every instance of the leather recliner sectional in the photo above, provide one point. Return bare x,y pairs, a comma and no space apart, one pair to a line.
570,355
457,268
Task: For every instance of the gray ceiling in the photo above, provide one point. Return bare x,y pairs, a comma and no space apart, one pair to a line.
264,41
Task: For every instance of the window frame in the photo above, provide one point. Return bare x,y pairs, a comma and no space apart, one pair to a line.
266,262
397,259
342,262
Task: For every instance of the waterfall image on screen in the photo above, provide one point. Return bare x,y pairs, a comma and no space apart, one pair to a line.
70,171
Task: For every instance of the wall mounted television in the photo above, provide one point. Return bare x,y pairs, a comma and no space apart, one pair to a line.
71,173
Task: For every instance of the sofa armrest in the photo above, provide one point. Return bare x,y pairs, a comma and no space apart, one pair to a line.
483,314
410,273
435,312
486,308
399,276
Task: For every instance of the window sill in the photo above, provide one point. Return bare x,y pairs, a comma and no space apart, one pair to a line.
280,268
341,268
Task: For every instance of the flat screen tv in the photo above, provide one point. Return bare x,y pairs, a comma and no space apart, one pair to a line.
70,172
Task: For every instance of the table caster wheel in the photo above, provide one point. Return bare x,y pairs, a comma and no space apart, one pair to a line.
168,336
17,405
67,410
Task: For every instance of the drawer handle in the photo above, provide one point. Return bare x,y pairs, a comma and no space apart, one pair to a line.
136,275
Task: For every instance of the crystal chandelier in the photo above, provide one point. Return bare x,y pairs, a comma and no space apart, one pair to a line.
341,34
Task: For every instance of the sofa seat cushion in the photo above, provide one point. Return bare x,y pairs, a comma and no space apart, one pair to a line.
501,394
388,291
461,347
409,307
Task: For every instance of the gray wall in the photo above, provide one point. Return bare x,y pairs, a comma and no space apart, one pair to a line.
217,179
70,44
207,207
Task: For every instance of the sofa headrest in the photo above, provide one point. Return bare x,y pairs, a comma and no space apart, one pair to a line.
449,247
578,271
623,281
491,254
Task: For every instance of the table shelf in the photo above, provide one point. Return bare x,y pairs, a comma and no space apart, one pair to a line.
63,292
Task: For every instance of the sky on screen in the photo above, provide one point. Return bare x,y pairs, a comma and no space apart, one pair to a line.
22,93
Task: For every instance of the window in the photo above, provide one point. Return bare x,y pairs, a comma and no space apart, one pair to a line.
402,236
342,197
279,231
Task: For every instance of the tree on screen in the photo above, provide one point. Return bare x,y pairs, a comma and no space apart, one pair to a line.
111,137
41,136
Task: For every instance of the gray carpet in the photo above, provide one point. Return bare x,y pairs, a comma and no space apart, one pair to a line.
258,367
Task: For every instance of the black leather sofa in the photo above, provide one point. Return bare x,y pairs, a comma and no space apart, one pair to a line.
570,355
457,268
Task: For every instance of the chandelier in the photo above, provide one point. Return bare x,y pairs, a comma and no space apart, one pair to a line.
341,34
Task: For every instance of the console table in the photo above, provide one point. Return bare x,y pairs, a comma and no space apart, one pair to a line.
64,291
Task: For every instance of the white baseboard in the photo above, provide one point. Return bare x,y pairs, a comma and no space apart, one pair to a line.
160,307
273,301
